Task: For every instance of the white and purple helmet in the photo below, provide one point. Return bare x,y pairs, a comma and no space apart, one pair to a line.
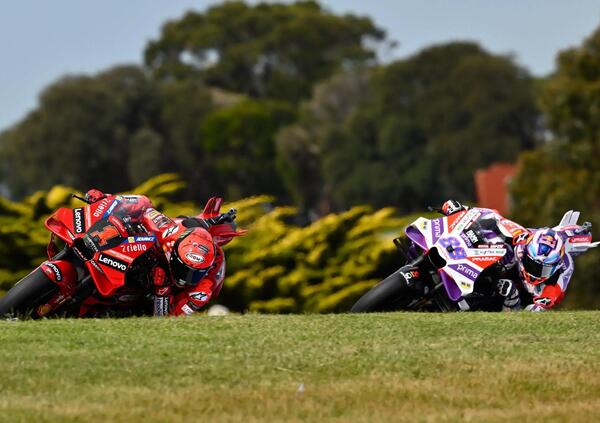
542,257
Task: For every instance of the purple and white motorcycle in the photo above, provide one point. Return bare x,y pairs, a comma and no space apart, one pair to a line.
453,263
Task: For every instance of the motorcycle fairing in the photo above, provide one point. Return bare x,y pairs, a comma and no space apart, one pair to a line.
463,264
575,243
110,262
225,232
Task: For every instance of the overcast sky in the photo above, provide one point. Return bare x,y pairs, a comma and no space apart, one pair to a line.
43,40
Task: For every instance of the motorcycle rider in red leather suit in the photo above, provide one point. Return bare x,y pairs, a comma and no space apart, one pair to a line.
192,266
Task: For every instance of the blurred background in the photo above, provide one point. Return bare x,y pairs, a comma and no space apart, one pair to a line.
329,125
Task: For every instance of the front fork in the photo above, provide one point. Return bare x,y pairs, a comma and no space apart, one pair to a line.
423,277
64,274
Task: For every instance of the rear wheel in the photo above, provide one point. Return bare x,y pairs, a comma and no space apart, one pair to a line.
28,294
392,293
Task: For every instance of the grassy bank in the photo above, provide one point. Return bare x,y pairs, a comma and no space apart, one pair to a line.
413,367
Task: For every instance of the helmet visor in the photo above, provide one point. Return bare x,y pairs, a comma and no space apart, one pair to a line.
185,275
536,269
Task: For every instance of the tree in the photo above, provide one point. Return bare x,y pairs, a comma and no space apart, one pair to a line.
183,107
299,146
79,134
418,129
269,50
239,147
564,173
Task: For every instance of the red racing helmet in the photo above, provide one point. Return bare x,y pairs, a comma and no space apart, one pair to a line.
192,257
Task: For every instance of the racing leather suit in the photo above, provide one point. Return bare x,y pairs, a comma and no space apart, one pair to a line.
140,217
544,296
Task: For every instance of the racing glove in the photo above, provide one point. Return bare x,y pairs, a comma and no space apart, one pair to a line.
534,307
507,289
193,222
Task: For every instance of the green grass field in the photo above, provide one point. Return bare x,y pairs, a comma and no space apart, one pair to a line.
394,367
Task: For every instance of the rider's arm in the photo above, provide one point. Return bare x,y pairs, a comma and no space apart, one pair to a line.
552,295
192,222
192,299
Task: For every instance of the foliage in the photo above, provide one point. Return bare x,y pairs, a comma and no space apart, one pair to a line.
238,145
299,146
415,131
564,174
269,50
80,133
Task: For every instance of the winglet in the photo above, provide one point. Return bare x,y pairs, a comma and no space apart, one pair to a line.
570,218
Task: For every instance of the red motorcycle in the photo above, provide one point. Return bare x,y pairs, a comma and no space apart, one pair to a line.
103,267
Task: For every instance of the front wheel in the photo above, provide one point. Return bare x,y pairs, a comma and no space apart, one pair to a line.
29,293
392,293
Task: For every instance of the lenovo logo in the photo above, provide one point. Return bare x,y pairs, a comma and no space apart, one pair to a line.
112,262
78,222
55,269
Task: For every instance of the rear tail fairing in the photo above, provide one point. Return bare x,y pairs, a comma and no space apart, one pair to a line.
459,258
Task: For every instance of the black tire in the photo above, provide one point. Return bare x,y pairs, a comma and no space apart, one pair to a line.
392,293
29,293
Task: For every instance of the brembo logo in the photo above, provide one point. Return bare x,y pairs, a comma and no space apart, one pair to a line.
78,221
112,262
56,271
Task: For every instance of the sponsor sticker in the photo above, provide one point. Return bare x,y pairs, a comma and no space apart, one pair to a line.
143,239
472,236
98,268
194,257
199,296
482,252
187,309
131,248
78,221
170,231
469,216
112,262
465,270
413,274
112,207
101,207
437,228
54,268
466,239
486,259
580,238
